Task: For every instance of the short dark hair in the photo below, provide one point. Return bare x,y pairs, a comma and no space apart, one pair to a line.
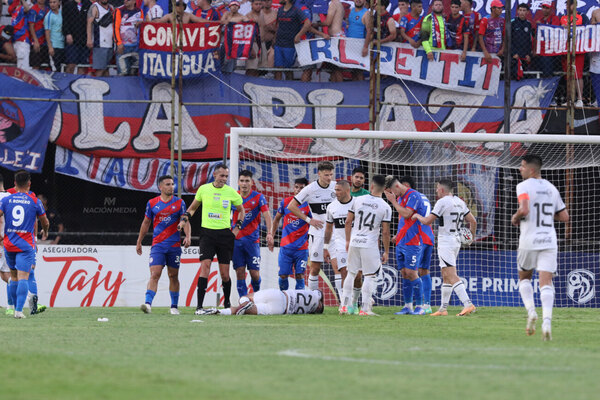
359,170
455,2
22,178
533,159
343,183
408,179
389,181
301,181
523,5
163,177
221,166
416,2
379,180
470,1
447,183
403,1
385,3
247,173
325,166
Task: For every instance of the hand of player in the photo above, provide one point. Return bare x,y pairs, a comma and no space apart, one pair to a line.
384,257
414,216
270,242
500,52
463,56
326,256
514,220
430,56
316,223
390,196
235,231
187,241
51,51
138,249
181,225
36,46
44,234
90,44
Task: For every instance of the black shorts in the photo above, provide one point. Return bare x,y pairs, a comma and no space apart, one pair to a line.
36,59
219,242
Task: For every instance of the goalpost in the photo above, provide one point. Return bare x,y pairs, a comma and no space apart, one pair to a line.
484,168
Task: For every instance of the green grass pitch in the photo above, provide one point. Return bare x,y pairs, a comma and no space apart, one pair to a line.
68,354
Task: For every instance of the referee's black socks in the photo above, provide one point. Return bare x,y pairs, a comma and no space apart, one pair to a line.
227,293
202,283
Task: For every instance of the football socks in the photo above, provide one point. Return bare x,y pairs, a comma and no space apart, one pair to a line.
22,289
174,299
284,284
256,284
526,291
150,296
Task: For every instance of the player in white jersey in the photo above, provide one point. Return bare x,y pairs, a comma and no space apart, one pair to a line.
335,251
539,205
276,302
368,217
452,212
318,195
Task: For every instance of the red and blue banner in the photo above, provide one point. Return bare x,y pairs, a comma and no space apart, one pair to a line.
199,43
24,125
552,40
240,37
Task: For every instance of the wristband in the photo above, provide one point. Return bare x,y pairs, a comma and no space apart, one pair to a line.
238,224
325,246
187,214
307,220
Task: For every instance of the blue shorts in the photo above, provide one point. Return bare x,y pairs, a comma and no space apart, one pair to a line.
161,256
408,256
76,54
20,261
246,254
292,261
285,57
425,259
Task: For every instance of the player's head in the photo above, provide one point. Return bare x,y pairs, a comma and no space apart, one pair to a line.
22,179
358,178
531,166
221,174
245,181
444,187
393,184
299,184
326,170
166,185
377,184
408,181
342,191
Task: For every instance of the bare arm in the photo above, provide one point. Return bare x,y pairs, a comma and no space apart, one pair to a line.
45,224
486,55
92,14
472,223
143,230
269,224
276,223
348,228
10,55
428,220
187,229
403,211
305,28
61,228
293,207
391,24
164,19
385,236
326,240
521,213
562,216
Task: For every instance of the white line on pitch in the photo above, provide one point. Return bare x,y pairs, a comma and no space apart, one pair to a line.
298,354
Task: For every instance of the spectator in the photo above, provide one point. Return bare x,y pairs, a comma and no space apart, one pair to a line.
388,25
258,51
491,32
154,11
36,16
522,36
410,24
232,16
581,19
22,45
458,30
7,51
292,24
127,19
206,11
100,26
268,29
434,33
56,224
335,17
74,14
595,61
547,64
473,19
179,14
401,11
359,23
53,31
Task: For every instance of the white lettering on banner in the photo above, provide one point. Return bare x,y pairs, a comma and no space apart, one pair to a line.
552,40
153,64
496,285
193,36
400,60
106,276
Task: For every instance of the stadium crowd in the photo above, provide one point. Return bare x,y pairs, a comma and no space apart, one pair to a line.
73,32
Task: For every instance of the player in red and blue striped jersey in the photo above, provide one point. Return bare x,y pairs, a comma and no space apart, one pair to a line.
293,253
35,19
408,240
422,292
246,249
21,210
164,213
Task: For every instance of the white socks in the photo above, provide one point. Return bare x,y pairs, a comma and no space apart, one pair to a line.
461,292
355,295
226,311
446,293
347,291
368,287
526,291
547,297
313,282
338,284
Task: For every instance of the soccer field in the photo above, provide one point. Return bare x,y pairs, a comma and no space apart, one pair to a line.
68,354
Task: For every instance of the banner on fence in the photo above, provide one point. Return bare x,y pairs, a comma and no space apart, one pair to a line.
552,40
474,75
199,43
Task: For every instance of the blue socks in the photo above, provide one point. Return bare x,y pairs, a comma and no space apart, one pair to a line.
256,284
407,291
426,284
300,284
22,290
418,292
284,284
150,296
174,299
12,292
11,302
32,283
242,288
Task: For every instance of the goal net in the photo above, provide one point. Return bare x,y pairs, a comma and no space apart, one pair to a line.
485,170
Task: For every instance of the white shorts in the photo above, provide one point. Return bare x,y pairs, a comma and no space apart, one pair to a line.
340,255
540,260
270,302
22,51
365,259
447,254
315,248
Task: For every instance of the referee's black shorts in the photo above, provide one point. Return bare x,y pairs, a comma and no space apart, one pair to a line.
216,241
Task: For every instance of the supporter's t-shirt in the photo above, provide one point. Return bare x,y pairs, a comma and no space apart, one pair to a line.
290,23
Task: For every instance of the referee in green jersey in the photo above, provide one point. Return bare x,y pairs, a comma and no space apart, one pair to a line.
216,236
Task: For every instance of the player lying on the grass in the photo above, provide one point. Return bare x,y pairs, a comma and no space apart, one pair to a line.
452,213
540,205
277,302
